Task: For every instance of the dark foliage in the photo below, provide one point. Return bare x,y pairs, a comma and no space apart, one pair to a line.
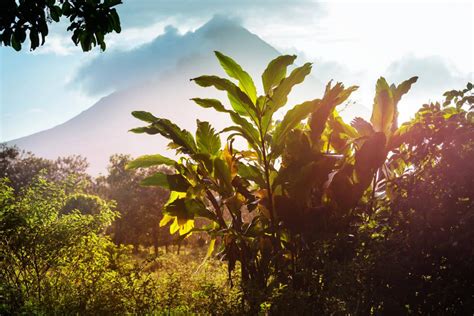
89,21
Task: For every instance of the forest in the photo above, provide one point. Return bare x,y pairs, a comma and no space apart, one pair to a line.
299,214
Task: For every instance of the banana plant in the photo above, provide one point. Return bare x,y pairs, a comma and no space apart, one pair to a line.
260,203
232,189
372,143
307,164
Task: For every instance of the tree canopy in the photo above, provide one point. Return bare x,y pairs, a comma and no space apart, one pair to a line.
89,21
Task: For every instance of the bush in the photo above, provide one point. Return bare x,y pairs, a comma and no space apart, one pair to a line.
59,262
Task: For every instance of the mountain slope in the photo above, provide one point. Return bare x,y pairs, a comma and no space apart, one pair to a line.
154,78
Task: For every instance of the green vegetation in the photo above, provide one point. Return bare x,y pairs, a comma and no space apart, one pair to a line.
57,260
314,216
307,194
139,206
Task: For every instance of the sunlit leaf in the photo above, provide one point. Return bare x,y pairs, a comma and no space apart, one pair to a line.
341,134
384,107
240,102
211,247
251,173
333,96
207,139
166,219
276,71
280,94
292,118
403,88
149,160
248,129
398,92
235,71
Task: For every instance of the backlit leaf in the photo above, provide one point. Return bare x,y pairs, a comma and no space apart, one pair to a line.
333,96
280,94
149,160
398,92
207,139
240,102
235,71
276,71
384,107
292,118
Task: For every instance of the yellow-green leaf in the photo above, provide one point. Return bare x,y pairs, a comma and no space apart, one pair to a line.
241,103
150,160
235,71
280,94
384,107
207,139
276,71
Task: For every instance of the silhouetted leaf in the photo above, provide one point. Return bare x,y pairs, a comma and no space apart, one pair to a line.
211,103
173,182
34,38
362,126
370,156
181,137
146,129
144,116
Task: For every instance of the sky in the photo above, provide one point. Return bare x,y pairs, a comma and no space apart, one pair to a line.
350,41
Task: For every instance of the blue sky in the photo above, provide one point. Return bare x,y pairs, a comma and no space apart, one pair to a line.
350,41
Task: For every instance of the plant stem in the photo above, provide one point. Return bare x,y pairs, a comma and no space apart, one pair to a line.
267,174
374,185
216,206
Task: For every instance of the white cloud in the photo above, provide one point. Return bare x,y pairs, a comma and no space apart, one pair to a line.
436,74
118,69
58,45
